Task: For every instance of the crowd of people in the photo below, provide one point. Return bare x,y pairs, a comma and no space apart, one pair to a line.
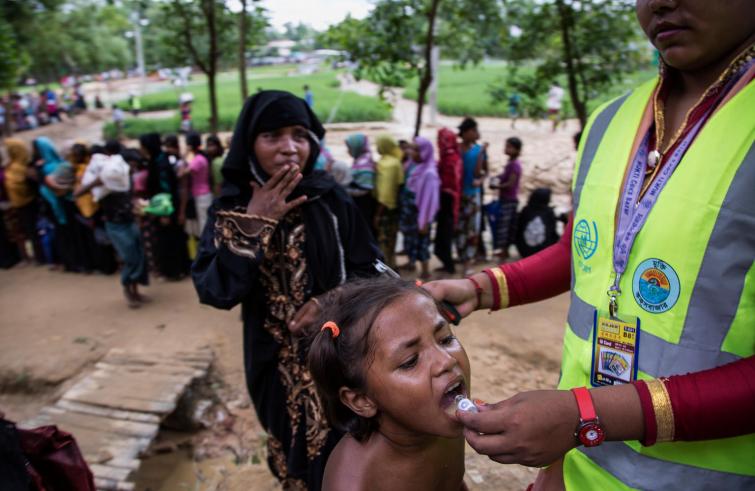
55,214
26,111
100,205
418,188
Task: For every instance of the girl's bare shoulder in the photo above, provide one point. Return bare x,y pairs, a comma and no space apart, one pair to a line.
348,465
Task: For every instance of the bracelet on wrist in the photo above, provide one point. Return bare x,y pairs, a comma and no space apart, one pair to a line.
648,413
663,410
478,291
252,216
496,289
503,287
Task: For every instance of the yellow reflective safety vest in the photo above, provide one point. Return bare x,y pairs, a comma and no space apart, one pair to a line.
699,245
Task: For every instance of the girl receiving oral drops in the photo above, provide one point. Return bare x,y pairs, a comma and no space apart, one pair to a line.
391,375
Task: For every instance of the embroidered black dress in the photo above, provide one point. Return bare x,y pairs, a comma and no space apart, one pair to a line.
272,272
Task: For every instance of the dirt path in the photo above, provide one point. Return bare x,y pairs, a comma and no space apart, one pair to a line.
55,325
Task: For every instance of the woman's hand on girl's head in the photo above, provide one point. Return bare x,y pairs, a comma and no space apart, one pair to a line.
304,317
459,293
532,428
269,200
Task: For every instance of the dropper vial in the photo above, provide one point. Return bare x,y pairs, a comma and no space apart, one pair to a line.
464,404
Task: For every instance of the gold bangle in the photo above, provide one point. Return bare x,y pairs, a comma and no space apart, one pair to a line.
503,286
247,216
664,412
271,221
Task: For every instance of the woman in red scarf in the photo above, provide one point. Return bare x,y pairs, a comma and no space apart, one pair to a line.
450,170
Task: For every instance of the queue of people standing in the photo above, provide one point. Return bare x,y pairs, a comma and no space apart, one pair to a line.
412,186
100,208
31,109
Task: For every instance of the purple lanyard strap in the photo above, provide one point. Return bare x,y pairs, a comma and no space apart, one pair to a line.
633,212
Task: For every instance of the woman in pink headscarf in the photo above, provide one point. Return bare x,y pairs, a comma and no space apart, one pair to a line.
420,201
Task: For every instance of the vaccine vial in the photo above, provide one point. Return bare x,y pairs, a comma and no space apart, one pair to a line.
464,404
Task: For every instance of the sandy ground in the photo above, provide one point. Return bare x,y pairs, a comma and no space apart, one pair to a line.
55,325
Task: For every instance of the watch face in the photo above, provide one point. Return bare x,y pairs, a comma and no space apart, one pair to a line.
591,434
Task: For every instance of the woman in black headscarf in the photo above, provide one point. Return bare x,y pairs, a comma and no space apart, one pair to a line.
168,239
280,234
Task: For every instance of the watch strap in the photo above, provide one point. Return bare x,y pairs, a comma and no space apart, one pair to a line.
584,404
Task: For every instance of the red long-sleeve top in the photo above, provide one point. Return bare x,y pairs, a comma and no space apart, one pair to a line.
542,275
715,403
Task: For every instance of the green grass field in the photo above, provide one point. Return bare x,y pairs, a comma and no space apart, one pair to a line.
460,93
351,106
465,92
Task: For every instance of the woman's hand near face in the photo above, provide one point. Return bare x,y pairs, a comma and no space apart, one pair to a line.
532,428
269,200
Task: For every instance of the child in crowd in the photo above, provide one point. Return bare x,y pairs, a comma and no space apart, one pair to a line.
215,151
508,196
118,118
536,225
388,369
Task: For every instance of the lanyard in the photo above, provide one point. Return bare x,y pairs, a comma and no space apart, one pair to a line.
633,213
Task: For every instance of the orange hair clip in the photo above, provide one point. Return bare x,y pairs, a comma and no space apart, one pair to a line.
332,327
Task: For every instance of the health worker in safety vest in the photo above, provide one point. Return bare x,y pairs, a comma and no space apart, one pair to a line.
657,387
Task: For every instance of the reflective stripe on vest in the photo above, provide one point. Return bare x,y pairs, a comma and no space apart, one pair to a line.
703,227
642,472
595,133
594,136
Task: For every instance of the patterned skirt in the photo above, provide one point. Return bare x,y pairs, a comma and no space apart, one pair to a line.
505,229
386,235
468,230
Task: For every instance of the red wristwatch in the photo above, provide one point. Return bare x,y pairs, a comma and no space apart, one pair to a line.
589,431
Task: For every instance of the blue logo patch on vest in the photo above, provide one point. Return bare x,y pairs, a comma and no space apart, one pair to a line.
585,239
655,286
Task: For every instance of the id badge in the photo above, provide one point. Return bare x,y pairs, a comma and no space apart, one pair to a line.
615,347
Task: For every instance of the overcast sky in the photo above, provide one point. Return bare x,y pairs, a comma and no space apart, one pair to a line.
318,13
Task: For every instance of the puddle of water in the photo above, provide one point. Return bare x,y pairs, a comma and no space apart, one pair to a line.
177,471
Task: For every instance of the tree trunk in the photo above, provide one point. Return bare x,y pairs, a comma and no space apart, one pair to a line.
427,72
567,23
242,51
212,63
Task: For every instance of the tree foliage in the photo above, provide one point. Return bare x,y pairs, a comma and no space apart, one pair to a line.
86,36
13,62
393,43
592,44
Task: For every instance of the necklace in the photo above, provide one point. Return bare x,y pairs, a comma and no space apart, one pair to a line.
656,155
